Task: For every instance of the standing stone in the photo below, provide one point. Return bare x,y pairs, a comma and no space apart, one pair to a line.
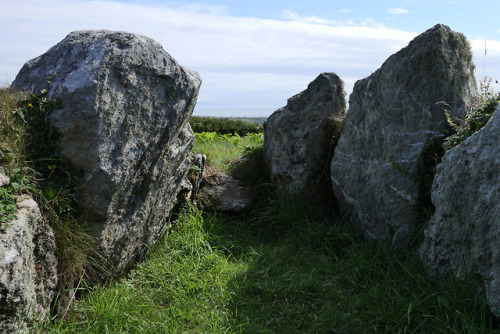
394,117
124,121
299,138
28,269
463,235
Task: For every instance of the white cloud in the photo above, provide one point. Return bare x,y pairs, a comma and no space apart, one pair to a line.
292,16
245,63
205,8
398,11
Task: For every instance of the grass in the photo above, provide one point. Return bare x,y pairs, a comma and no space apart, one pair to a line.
282,268
268,273
224,150
12,130
30,157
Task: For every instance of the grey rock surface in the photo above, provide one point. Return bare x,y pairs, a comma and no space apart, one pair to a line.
463,235
196,176
191,183
299,138
224,193
394,116
28,269
4,179
126,105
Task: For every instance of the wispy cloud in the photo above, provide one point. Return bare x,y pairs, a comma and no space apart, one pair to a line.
244,62
398,11
292,16
205,8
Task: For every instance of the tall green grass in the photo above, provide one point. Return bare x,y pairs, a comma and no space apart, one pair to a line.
224,150
282,269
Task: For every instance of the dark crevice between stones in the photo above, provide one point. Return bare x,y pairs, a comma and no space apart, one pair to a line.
427,163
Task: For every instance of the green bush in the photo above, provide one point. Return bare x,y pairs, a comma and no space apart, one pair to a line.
224,126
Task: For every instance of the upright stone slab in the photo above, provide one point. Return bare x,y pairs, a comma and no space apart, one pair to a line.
463,235
126,105
299,138
394,116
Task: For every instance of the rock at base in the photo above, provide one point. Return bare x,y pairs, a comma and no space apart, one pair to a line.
28,269
221,192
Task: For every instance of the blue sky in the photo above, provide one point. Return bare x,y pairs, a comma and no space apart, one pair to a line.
254,55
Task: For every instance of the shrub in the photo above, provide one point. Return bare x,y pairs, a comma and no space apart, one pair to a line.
224,126
475,119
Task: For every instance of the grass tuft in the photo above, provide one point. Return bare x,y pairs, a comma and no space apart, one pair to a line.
30,156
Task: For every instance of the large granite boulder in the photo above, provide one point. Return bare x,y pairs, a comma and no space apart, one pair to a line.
124,120
463,235
299,138
395,117
28,269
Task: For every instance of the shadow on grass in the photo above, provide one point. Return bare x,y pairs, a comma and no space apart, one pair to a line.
312,274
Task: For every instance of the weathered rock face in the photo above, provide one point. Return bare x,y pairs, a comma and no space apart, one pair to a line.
124,119
196,176
463,236
191,183
299,138
394,116
221,192
28,269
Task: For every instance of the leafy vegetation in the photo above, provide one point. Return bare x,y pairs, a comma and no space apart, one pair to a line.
224,150
475,119
224,126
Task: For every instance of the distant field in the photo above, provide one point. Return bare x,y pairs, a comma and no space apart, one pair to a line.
259,120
